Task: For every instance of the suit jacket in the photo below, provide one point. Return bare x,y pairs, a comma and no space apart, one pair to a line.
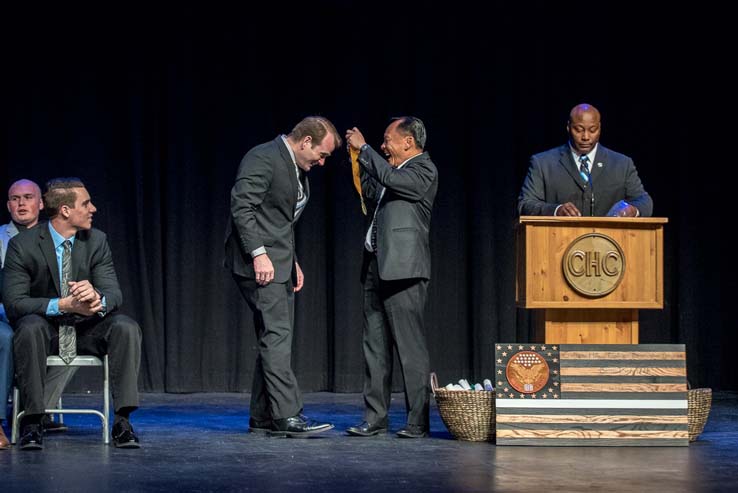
32,272
404,213
263,202
7,231
553,178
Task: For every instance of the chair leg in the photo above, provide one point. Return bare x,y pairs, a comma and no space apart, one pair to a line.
60,406
106,400
16,419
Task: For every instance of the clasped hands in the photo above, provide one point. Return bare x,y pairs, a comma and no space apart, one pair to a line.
82,299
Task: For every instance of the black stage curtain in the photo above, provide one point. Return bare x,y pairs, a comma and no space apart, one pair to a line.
154,107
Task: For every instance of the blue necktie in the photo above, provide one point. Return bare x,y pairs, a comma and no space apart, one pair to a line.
584,167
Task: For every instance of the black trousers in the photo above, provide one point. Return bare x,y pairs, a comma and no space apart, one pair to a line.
394,317
274,392
116,335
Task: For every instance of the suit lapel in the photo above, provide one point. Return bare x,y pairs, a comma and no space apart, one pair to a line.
567,161
46,243
79,252
598,167
290,167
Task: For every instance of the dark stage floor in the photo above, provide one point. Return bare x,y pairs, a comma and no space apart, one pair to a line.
199,442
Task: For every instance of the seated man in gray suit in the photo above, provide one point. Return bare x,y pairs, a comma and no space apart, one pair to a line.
61,294
583,177
24,206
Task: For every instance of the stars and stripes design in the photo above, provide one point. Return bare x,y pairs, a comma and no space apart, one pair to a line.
593,394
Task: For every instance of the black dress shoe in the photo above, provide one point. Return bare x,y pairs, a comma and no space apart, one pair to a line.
260,426
367,429
413,431
124,436
52,426
32,438
297,427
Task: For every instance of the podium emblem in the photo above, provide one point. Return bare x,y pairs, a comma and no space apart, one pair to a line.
594,264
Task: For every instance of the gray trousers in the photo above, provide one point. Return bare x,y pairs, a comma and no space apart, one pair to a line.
116,335
394,317
274,393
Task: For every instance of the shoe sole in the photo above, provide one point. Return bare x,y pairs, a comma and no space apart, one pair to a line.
357,433
32,446
409,435
260,431
56,430
298,434
127,445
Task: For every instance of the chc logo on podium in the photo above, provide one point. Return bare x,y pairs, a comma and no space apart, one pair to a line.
594,264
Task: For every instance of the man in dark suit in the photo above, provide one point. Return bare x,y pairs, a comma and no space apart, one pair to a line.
396,271
38,306
269,195
583,177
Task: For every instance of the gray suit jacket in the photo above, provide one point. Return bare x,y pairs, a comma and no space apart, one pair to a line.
404,213
32,272
553,178
263,202
7,231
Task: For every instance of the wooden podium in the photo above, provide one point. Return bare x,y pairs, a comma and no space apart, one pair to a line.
587,277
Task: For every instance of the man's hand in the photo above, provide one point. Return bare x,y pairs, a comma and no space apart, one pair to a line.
622,209
354,138
84,292
71,305
300,278
263,269
568,209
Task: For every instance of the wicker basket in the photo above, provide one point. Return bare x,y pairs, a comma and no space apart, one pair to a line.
699,401
468,414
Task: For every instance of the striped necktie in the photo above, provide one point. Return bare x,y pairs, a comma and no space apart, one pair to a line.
584,167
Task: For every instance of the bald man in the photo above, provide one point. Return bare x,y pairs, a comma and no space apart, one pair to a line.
583,177
24,205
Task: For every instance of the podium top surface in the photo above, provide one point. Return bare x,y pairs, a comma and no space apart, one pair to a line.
591,220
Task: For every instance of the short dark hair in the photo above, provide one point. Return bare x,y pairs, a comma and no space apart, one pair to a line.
410,125
315,127
59,192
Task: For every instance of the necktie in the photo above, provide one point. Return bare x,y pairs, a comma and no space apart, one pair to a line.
584,167
67,333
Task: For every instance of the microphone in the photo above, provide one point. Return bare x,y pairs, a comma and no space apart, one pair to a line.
591,195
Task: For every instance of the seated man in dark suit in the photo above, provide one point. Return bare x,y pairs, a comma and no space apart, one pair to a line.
583,177
61,294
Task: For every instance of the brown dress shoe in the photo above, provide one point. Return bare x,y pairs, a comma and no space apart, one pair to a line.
4,442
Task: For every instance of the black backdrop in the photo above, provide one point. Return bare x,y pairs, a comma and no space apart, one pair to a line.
153,108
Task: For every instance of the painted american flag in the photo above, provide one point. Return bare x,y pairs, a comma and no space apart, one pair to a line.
582,394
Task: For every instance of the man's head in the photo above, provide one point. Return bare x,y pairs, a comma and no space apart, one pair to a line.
68,204
404,138
24,202
583,127
313,140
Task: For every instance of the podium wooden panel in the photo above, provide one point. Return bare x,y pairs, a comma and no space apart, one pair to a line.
567,316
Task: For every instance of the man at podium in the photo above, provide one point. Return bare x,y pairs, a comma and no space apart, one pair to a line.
583,177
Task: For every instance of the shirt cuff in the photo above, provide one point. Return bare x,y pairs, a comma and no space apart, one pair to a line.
104,304
557,209
52,309
259,251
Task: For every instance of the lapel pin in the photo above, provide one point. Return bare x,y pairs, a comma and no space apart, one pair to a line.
599,165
